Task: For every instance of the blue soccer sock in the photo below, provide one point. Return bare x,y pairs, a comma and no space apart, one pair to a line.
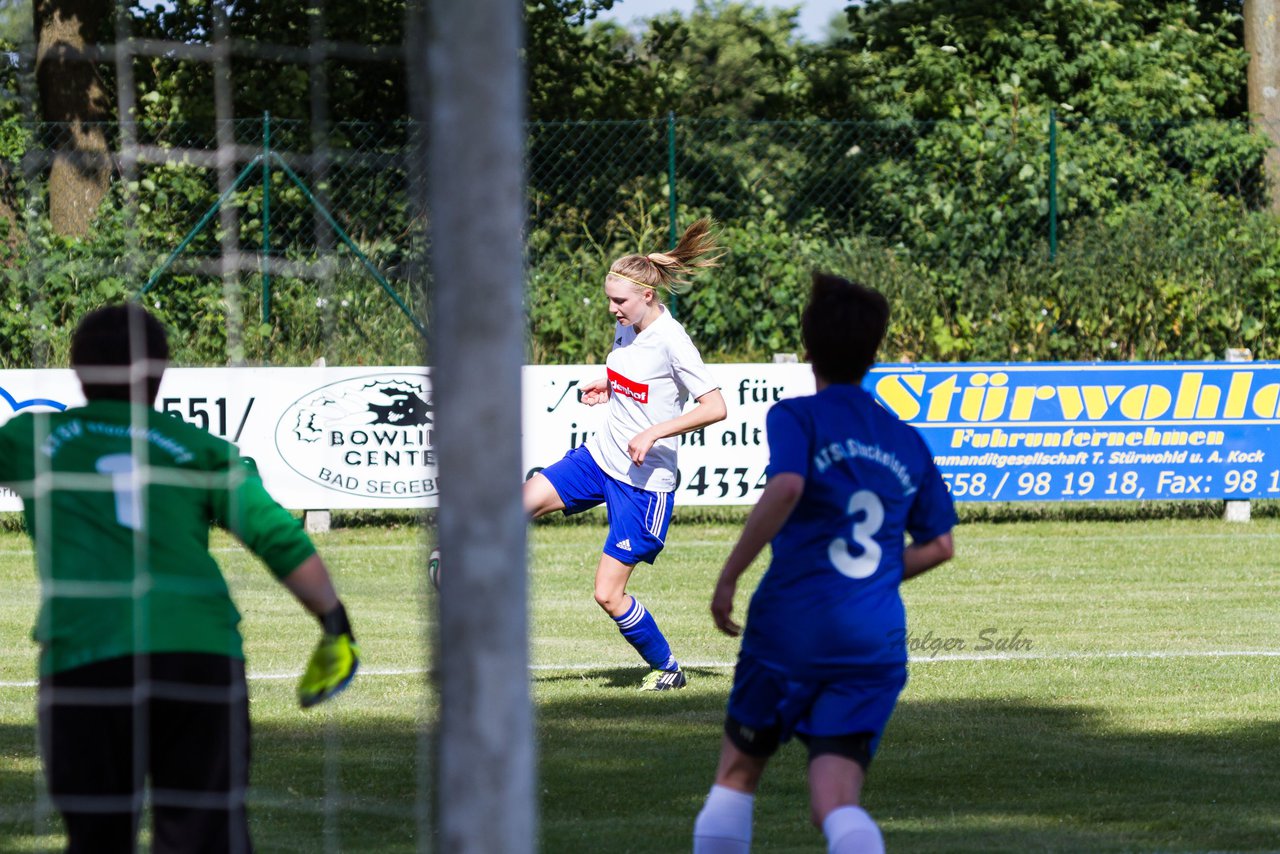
642,632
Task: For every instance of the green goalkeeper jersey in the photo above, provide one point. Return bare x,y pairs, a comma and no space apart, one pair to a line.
119,513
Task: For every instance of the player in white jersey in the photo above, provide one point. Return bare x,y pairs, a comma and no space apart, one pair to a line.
629,465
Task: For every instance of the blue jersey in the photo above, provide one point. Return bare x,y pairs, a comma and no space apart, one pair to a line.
829,603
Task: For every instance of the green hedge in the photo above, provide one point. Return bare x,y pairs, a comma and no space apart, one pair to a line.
1146,283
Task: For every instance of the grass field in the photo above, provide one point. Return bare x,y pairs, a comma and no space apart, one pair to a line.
1133,706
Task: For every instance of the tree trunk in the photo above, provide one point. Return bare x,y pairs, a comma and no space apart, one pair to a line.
1262,41
75,102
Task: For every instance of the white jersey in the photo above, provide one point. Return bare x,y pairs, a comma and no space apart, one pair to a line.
652,375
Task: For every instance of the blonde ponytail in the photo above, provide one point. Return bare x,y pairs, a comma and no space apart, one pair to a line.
669,271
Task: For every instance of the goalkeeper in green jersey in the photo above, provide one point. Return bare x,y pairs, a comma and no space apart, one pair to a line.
141,663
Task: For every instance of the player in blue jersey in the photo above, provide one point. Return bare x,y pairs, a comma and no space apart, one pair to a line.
823,654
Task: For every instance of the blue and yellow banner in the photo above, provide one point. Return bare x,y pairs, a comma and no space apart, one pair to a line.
1094,432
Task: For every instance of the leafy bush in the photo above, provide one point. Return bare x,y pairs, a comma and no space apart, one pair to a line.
1148,282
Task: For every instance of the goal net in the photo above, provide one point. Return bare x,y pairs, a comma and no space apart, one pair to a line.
258,176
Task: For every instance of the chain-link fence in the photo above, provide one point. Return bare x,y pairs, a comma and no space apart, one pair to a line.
913,185
999,240
324,225
1044,237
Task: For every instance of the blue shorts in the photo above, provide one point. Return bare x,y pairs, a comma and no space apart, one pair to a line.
775,707
638,518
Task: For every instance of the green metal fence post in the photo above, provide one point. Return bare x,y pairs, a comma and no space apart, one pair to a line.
266,217
1053,185
671,188
349,243
196,229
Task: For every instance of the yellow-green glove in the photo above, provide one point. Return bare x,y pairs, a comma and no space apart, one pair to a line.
334,662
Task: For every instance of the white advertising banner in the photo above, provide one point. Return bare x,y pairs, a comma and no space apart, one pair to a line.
346,438
720,464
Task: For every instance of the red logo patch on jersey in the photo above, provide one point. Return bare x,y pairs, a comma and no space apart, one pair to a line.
618,384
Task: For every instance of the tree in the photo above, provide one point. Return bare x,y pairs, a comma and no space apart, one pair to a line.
935,59
580,69
1137,89
725,60
75,104
1261,32
343,89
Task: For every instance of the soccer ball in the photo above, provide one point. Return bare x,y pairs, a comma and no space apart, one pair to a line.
433,568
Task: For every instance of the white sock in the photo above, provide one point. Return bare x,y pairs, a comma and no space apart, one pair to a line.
851,830
724,825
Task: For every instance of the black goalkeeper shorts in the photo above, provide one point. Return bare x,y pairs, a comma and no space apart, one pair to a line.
178,721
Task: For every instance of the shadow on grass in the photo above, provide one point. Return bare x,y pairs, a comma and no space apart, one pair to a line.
353,784
621,678
624,770
960,775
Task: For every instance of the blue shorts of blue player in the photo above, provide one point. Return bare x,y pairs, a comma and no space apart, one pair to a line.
638,521
845,715
840,719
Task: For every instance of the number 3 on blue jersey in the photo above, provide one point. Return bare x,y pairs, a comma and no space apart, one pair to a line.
863,534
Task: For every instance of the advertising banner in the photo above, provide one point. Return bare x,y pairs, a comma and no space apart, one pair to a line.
364,437
1094,432
323,438
720,464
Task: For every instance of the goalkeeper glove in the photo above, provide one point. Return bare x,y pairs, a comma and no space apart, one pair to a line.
333,663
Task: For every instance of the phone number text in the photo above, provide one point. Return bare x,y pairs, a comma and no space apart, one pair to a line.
1113,484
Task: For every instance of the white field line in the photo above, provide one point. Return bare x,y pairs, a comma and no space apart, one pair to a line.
586,667
1075,538
963,657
